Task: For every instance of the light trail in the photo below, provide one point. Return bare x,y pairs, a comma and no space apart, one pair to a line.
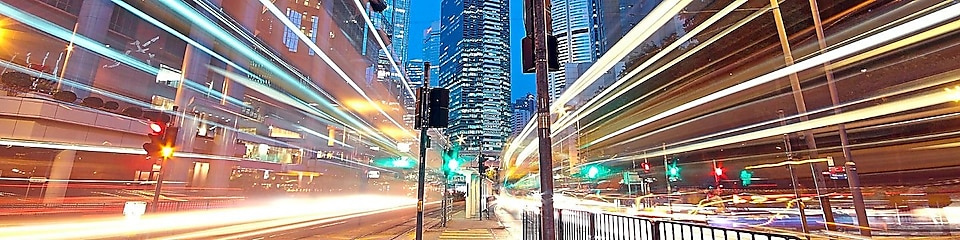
923,100
403,77
283,209
593,105
219,33
660,15
910,27
100,48
643,30
303,37
910,40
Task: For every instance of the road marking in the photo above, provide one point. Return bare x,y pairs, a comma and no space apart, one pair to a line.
467,234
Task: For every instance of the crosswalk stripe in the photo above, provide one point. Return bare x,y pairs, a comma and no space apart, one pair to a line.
467,234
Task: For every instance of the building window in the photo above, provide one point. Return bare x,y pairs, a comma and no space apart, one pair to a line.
313,32
123,22
70,6
289,37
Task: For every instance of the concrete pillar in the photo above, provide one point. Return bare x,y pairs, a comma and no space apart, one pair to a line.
92,22
246,15
60,170
473,196
219,173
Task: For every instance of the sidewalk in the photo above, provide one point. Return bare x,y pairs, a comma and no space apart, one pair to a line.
459,227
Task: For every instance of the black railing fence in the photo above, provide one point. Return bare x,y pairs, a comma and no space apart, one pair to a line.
584,225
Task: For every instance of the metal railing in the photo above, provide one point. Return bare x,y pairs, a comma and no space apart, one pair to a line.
577,225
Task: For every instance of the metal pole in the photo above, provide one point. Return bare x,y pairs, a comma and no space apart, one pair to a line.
788,149
666,174
801,104
852,178
540,32
800,205
156,189
421,175
443,211
482,201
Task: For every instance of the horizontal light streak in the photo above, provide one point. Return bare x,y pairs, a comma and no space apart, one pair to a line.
784,163
592,105
639,34
927,83
215,31
100,48
923,100
578,113
860,45
291,209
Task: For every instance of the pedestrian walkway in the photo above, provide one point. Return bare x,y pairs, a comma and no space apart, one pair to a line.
460,227
474,233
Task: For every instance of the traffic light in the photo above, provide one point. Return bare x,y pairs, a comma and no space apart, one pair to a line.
595,171
451,160
156,134
673,171
645,167
746,177
718,171
432,107
162,140
592,172
402,162
452,165
481,167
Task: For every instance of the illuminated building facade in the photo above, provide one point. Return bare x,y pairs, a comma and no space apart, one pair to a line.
277,93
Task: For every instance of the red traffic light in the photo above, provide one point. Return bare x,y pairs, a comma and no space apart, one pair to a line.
156,128
645,166
718,171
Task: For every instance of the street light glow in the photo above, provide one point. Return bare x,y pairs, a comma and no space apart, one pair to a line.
166,152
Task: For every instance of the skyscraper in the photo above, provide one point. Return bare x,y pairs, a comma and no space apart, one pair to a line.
415,74
475,66
431,51
398,15
574,25
523,110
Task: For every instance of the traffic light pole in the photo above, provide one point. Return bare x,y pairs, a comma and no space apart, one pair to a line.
156,189
421,179
538,10
443,203
666,167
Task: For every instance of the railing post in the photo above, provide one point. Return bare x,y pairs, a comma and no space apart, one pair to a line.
559,232
592,225
654,230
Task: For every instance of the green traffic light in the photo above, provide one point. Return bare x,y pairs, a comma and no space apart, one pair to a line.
453,164
592,172
746,177
673,171
402,162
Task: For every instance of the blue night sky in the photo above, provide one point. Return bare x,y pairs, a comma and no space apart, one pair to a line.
425,12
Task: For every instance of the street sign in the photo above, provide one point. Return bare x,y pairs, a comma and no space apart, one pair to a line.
631,178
